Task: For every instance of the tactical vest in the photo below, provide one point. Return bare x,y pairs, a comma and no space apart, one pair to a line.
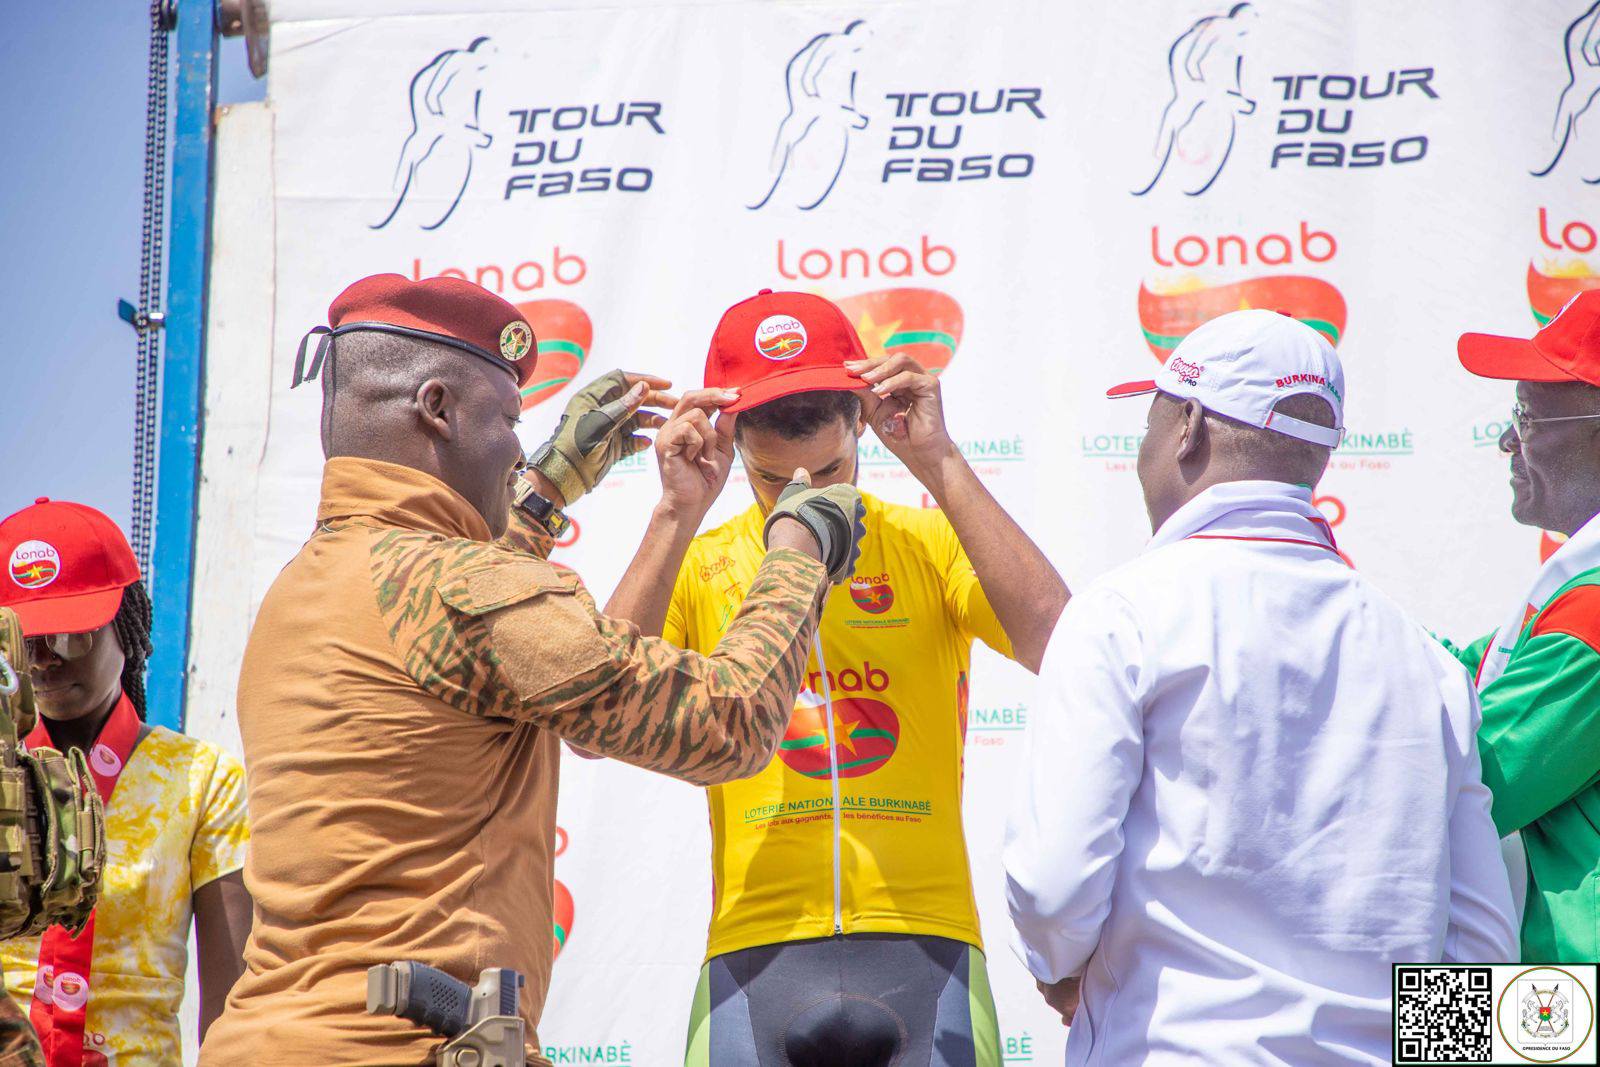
52,823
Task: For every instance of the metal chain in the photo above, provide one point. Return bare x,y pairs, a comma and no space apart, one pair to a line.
149,318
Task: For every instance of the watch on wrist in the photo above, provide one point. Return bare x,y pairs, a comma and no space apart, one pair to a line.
541,509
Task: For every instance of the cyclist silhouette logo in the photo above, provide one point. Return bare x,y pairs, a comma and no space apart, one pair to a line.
1206,67
809,149
436,159
1583,87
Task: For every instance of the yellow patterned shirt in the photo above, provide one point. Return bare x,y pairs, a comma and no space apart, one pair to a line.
175,822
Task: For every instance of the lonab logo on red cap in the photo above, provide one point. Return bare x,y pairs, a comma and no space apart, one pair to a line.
34,564
781,337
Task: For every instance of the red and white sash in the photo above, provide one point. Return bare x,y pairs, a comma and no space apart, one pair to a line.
61,991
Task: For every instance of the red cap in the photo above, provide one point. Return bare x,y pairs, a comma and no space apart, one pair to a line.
779,344
66,567
451,311
1567,349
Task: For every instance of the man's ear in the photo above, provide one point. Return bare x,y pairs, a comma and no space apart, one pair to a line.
1194,430
435,405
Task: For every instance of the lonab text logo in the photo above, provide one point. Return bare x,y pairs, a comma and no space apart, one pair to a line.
1565,264
1198,278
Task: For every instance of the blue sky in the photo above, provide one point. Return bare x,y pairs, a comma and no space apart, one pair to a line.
73,74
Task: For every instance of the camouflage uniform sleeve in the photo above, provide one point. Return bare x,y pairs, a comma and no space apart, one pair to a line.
526,536
19,1046
497,633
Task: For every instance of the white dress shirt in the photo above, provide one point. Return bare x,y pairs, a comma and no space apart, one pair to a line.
1252,784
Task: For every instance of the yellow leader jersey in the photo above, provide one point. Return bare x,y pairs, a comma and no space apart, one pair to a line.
789,863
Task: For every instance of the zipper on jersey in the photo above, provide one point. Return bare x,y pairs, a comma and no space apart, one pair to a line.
833,780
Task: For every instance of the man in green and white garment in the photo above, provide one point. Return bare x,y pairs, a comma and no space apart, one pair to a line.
1538,676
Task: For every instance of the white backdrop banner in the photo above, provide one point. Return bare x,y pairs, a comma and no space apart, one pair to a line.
1039,199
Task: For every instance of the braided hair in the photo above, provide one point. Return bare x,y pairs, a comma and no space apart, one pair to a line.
132,627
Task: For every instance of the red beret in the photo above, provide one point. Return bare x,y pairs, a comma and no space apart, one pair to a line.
450,311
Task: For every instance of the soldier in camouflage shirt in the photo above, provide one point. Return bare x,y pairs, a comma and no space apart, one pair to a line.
412,669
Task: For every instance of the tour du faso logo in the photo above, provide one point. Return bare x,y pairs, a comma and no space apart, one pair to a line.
1214,90
1579,94
564,335
865,730
550,150
780,337
436,157
1185,290
35,564
872,593
929,133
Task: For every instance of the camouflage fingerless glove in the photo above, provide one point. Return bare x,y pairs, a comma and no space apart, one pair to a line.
594,433
834,517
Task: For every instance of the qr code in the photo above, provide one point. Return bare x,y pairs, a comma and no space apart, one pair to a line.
1443,1015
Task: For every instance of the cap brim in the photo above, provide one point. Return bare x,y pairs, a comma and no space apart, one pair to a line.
68,614
1508,358
799,380
1127,389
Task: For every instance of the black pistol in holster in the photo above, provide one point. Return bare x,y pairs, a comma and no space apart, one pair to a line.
481,1025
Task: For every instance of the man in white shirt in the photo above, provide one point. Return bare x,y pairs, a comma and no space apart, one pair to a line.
1253,783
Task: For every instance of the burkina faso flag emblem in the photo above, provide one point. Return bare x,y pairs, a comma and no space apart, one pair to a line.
924,324
865,734
1168,314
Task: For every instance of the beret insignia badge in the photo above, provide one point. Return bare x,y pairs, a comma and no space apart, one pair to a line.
515,340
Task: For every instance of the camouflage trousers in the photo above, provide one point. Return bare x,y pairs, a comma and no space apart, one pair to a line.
19,1047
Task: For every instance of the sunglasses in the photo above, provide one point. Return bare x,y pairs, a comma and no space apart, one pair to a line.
62,646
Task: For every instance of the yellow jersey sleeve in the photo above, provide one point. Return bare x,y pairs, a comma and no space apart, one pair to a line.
964,597
222,833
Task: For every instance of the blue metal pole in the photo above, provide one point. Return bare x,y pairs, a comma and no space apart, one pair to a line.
183,365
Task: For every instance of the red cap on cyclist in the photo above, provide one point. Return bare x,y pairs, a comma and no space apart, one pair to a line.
777,344
66,567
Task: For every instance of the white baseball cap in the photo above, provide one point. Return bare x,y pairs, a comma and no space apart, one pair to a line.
1242,363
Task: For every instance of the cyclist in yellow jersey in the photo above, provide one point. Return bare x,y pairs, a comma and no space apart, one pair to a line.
843,925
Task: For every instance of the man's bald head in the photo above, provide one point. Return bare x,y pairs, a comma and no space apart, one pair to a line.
427,406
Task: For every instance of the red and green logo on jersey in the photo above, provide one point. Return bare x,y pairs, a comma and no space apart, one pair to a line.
873,595
564,334
865,733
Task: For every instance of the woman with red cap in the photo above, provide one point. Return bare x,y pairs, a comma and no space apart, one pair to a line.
175,813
